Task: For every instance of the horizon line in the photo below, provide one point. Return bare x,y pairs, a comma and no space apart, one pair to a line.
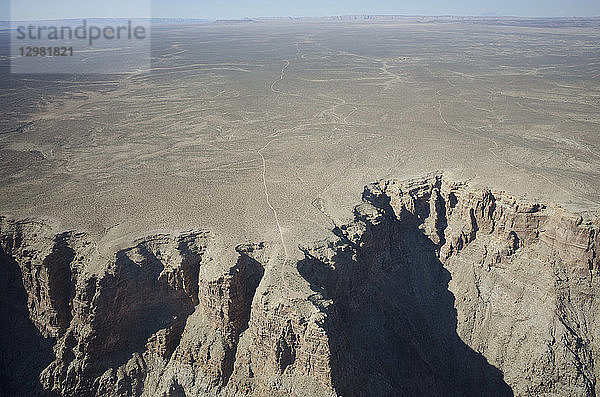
247,18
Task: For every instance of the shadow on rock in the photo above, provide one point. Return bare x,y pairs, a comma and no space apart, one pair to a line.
25,352
392,323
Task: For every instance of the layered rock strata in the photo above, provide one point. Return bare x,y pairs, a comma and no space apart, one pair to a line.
434,288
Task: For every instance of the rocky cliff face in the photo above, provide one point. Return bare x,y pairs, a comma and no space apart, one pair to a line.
435,288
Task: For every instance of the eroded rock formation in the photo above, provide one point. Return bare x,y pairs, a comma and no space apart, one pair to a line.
434,288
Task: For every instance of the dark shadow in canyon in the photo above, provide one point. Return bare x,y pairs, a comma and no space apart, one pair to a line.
24,350
246,276
392,325
136,301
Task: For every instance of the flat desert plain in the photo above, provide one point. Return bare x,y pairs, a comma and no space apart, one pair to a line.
268,130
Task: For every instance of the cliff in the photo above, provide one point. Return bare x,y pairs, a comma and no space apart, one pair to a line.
435,288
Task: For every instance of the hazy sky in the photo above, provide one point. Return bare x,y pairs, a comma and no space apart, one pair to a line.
44,9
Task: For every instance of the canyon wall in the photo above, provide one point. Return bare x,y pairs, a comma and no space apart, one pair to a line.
435,288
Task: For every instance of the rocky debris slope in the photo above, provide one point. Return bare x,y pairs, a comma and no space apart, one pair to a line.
434,288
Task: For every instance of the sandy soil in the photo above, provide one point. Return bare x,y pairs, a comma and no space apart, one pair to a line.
268,131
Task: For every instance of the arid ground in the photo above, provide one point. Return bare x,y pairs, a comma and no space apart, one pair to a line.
261,130
203,228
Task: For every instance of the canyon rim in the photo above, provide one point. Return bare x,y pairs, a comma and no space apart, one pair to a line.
434,288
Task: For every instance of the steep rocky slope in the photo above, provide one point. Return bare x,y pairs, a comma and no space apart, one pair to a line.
434,288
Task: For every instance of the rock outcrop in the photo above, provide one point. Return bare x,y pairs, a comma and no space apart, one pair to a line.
434,288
